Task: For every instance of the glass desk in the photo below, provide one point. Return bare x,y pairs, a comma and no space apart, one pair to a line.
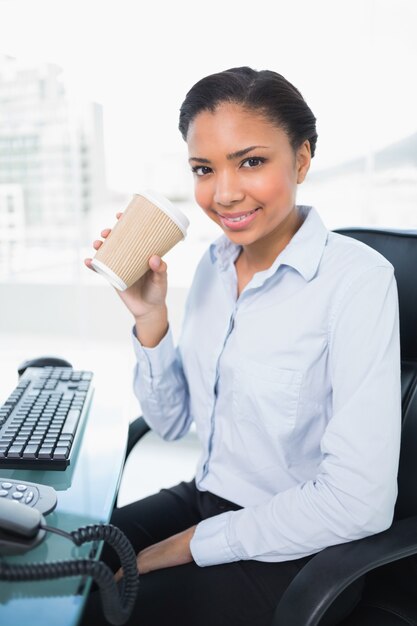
86,494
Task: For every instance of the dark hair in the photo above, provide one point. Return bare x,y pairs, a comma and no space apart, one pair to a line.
264,91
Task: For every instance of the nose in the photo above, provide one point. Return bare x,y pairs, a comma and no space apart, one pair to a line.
228,190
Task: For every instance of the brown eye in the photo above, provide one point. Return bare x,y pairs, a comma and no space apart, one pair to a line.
201,170
253,162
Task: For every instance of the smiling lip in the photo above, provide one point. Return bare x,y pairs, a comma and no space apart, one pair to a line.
228,216
230,221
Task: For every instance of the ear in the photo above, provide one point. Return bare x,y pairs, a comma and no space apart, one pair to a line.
303,161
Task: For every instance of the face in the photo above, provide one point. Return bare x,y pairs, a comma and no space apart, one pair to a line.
246,174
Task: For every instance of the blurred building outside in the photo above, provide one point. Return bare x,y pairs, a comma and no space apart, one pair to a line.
12,226
51,165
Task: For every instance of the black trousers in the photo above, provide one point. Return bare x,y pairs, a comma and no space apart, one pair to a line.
231,594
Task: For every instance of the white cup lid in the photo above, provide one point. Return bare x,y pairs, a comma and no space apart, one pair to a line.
105,271
167,207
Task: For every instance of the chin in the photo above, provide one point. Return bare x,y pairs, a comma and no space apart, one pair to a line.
242,238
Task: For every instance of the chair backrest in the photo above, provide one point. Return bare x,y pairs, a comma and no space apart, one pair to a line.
400,248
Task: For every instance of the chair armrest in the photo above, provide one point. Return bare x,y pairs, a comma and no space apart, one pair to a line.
137,429
326,575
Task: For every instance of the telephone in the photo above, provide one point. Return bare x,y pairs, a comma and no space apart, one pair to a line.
20,526
23,527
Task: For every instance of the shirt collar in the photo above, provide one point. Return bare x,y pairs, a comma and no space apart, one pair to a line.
303,252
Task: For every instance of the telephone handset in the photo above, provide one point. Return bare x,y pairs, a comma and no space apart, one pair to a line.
23,527
19,527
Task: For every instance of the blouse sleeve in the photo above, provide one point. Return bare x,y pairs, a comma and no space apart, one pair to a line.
161,387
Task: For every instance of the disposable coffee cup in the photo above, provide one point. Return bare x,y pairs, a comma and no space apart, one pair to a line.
150,225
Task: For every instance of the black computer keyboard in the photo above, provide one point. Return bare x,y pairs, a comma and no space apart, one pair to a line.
40,420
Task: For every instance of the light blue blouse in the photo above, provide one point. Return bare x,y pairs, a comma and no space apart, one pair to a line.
295,391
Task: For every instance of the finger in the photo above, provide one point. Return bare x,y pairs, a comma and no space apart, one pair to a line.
97,243
118,575
119,214
88,262
157,265
106,232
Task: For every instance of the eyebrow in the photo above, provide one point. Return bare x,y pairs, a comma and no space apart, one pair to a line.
230,157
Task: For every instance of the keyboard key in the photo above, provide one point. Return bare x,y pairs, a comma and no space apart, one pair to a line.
61,453
45,453
65,440
71,422
15,452
30,452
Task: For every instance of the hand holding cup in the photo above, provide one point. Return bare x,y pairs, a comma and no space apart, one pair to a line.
148,292
130,259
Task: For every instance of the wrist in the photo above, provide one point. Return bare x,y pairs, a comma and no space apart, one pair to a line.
153,314
152,327
190,535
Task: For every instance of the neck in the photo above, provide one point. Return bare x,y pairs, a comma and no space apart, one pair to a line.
261,254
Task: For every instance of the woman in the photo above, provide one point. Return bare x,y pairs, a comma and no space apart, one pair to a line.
288,364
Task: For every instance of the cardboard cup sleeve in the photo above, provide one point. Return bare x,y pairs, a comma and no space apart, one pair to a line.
149,225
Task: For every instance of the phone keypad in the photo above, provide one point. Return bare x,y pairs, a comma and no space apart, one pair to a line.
19,492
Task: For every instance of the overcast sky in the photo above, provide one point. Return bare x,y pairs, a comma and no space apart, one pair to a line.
354,61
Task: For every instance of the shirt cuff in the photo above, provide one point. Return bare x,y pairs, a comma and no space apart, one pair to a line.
209,545
155,361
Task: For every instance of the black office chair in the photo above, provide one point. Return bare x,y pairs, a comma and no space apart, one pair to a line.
383,563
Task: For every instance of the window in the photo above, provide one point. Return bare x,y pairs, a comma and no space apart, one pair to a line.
104,122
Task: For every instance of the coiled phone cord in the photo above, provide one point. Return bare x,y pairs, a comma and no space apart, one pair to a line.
117,606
